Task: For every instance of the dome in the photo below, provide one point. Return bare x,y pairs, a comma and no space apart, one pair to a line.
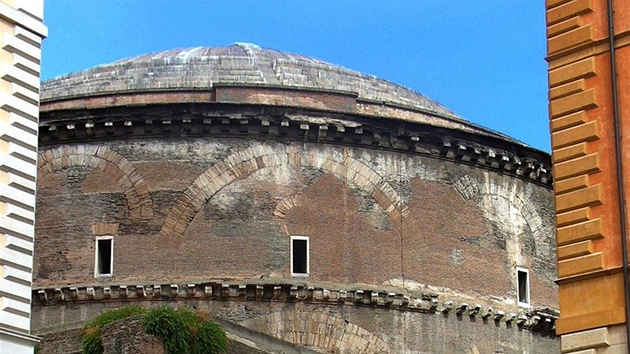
286,195
242,64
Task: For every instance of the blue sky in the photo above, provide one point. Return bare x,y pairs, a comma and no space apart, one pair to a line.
483,59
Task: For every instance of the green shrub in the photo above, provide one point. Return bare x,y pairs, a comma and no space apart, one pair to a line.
183,332
210,339
91,342
112,316
170,327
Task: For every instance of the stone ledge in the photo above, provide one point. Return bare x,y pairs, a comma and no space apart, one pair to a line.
539,320
276,123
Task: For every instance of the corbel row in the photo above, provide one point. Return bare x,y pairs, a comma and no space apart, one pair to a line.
294,127
542,321
497,160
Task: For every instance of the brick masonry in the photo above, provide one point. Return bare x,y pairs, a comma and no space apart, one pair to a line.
348,222
201,164
348,201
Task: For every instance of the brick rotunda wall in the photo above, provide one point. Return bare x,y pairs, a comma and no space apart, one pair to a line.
186,211
224,209
201,165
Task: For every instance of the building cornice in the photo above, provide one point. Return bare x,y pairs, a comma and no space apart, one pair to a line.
64,124
538,320
19,336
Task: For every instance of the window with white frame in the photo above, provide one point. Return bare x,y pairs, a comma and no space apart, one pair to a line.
299,256
522,287
104,256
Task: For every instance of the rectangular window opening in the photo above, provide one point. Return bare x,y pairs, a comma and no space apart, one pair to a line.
299,256
104,256
522,286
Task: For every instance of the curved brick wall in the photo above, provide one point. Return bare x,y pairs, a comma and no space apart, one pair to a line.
347,200
202,198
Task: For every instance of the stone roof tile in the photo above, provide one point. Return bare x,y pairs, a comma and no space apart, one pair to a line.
243,63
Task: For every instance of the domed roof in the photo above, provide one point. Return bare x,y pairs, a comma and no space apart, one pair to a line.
240,63
204,68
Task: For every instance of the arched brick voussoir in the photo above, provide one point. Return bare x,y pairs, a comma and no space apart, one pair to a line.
211,181
320,329
286,204
359,175
383,193
114,165
252,159
470,189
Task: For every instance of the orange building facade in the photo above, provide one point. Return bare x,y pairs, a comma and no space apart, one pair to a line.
589,122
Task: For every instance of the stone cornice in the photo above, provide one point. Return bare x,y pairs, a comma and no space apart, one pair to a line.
182,120
333,101
19,336
539,320
23,19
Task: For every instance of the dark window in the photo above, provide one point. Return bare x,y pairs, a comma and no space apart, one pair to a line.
104,257
523,286
299,261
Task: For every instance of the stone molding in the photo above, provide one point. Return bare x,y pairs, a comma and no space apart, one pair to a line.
610,339
538,320
183,120
11,335
22,32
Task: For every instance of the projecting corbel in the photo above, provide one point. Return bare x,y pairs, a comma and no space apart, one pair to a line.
461,308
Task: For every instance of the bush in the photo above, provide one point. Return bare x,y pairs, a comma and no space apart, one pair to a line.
91,342
171,328
181,331
210,339
112,316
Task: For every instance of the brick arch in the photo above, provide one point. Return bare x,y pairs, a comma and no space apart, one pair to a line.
286,204
111,163
470,189
296,200
252,159
319,329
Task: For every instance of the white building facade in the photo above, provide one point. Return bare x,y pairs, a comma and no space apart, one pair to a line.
21,34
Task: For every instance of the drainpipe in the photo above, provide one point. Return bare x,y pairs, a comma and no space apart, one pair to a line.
620,184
